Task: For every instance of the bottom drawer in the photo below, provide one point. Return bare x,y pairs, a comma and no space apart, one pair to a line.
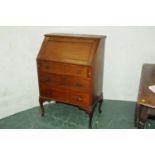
82,100
54,94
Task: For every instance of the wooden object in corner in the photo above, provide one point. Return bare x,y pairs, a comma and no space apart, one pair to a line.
145,106
70,70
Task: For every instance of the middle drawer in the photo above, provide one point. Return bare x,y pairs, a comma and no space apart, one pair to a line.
63,81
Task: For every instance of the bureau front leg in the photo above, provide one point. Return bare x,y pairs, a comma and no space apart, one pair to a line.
90,120
91,117
41,101
100,103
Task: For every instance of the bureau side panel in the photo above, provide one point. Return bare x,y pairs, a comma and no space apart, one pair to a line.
98,68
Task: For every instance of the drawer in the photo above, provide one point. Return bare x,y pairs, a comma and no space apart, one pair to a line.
80,99
62,81
54,94
64,69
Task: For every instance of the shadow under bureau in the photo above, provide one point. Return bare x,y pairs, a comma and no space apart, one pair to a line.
70,70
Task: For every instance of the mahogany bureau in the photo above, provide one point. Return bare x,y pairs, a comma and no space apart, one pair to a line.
70,70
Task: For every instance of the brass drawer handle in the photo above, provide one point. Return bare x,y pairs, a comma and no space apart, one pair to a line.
89,74
79,98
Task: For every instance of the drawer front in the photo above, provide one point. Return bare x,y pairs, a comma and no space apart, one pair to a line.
62,81
63,69
82,100
54,94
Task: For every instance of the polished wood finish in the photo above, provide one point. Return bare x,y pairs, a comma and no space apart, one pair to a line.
146,98
65,82
70,70
63,69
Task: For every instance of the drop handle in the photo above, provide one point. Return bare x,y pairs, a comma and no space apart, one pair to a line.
89,73
79,98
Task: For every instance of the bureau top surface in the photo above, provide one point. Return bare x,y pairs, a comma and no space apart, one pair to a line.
146,96
69,48
74,35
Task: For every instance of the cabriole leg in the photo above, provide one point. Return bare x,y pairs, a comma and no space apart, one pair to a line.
100,103
90,120
41,106
91,117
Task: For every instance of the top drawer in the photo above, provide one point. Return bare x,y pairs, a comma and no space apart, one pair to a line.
64,69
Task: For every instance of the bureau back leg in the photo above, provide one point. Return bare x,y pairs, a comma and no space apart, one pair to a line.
137,114
100,103
142,117
41,106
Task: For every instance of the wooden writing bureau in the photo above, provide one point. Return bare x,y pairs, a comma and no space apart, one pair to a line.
70,70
